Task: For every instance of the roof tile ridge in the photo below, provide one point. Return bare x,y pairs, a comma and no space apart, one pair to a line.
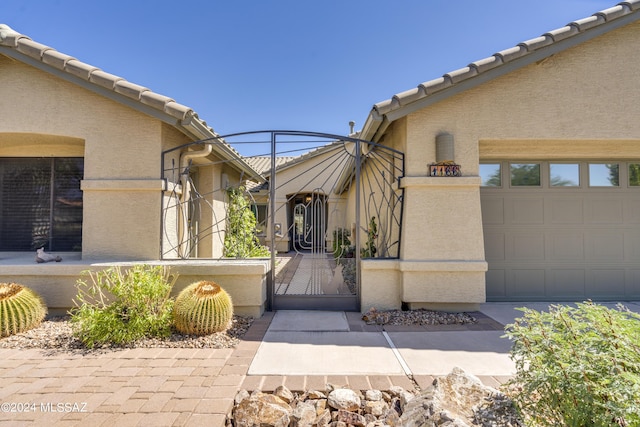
615,12
632,4
9,36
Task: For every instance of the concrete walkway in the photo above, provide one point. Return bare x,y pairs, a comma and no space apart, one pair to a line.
194,387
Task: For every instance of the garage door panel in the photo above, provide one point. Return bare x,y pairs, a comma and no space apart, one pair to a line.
496,284
567,211
566,283
566,246
632,210
632,245
633,284
606,283
525,246
493,210
604,211
526,211
604,245
494,246
526,283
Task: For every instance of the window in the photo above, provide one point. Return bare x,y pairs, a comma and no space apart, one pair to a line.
41,204
565,174
604,175
525,174
634,174
490,175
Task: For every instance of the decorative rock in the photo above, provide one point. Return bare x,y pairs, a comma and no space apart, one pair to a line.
343,398
376,408
456,400
242,395
404,396
284,393
450,401
262,409
321,405
374,395
324,419
315,394
352,418
392,418
368,419
304,415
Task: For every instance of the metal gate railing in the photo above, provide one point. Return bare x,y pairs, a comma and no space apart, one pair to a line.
314,203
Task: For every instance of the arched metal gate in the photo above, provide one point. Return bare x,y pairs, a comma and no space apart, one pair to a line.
315,204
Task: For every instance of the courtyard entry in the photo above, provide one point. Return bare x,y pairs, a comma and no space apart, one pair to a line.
316,205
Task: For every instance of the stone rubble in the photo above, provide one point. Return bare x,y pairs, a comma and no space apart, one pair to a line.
455,400
420,316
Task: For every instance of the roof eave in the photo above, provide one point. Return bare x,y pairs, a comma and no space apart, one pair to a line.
198,130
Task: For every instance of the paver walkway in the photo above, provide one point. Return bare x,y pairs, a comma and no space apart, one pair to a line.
146,387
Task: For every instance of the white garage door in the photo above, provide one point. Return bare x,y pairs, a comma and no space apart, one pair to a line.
561,230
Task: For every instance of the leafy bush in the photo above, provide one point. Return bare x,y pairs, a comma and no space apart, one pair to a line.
120,307
341,242
369,250
577,366
241,240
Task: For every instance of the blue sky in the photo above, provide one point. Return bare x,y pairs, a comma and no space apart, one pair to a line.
301,65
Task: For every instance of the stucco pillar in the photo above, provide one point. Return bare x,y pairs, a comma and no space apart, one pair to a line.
121,219
442,254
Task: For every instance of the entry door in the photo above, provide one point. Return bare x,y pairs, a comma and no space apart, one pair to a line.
309,223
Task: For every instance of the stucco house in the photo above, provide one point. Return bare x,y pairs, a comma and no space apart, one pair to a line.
547,207
538,145
93,167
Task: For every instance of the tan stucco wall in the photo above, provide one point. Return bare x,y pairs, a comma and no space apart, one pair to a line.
245,281
43,115
575,104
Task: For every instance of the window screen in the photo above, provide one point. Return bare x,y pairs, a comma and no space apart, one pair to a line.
41,204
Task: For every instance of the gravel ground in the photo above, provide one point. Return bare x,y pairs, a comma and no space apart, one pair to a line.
55,332
416,317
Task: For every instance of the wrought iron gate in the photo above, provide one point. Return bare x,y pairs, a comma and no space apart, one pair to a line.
320,203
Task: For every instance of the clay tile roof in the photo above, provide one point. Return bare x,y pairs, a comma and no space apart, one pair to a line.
499,63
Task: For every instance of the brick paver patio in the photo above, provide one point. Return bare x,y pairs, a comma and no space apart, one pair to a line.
149,387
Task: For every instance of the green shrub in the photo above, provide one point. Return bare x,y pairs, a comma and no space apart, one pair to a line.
21,309
203,308
341,242
577,366
369,250
121,306
241,240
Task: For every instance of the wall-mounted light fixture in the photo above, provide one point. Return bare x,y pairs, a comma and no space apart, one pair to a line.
445,164
444,148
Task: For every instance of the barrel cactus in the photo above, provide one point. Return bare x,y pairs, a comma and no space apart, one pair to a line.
21,309
202,308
